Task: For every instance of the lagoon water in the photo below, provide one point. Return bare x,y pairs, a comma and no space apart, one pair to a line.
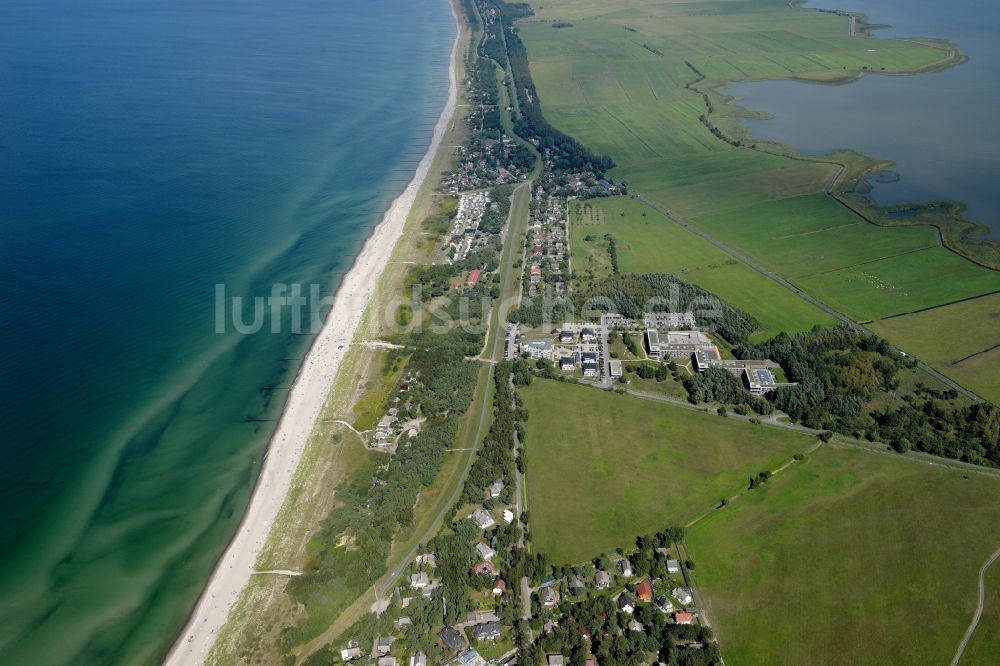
149,150
939,128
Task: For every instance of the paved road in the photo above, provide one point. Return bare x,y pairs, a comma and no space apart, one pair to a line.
798,292
979,608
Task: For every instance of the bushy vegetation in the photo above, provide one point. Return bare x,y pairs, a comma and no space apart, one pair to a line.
567,153
840,371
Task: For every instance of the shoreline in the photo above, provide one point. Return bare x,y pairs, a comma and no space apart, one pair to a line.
306,398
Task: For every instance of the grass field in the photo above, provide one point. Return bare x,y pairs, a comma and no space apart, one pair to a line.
961,340
600,83
851,558
985,644
648,242
604,467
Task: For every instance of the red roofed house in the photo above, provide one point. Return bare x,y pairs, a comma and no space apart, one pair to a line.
474,276
537,249
498,587
644,590
483,568
683,618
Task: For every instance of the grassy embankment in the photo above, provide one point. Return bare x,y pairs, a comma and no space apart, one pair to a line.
335,454
846,556
636,95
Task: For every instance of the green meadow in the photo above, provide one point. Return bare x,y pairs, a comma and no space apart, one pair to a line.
851,557
648,242
961,340
604,467
603,82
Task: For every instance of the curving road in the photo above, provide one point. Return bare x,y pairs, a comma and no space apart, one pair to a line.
979,608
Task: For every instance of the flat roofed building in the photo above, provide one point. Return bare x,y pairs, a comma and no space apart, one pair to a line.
652,342
615,368
537,348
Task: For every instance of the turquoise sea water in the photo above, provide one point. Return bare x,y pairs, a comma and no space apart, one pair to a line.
939,128
149,150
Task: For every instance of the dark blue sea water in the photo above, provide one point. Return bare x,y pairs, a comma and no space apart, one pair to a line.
939,128
149,150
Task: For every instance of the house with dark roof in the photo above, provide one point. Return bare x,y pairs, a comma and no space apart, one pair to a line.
625,603
451,639
487,631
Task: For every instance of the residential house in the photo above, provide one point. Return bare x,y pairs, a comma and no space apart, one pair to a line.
383,644
588,334
625,603
419,581
470,658
664,604
387,661
485,552
549,597
576,584
556,660
349,653
602,580
483,569
498,587
683,617
567,363
418,658
451,639
427,559
589,362
566,337
549,627
508,516
683,595
403,621
487,631
644,590
494,490
482,519
634,625
626,567
673,566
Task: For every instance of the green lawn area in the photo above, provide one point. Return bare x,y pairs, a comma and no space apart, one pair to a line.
598,83
850,558
648,242
985,644
604,467
959,340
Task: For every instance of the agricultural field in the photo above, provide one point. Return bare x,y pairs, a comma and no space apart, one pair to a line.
961,340
644,465
648,242
851,557
616,80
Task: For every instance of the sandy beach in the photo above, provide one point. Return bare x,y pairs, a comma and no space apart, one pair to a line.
312,385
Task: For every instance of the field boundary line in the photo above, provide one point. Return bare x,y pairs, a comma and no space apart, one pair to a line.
696,230
940,305
966,358
869,261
